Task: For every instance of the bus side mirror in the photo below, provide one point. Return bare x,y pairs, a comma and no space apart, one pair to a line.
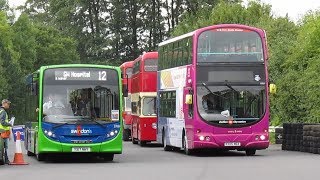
272,88
188,99
34,89
125,91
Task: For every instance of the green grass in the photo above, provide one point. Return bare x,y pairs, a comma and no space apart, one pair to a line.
272,137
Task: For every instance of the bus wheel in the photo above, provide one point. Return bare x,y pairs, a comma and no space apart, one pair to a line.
41,157
164,142
126,135
133,140
29,153
250,152
184,145
143,143
108,157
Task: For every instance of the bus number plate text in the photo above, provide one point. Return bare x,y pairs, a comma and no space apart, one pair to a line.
232,144
81,149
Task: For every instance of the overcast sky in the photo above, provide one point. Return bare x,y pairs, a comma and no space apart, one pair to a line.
294,8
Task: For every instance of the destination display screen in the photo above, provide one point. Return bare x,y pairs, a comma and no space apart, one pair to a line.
84,75
81,75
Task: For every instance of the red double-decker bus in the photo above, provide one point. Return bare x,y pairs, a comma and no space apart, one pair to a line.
143,98
126,70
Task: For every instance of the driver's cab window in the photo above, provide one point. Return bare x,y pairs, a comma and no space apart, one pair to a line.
211,103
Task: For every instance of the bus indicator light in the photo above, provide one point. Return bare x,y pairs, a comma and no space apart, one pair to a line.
207,138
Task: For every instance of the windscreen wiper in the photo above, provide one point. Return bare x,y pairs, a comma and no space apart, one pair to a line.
205,85
230,87
58,125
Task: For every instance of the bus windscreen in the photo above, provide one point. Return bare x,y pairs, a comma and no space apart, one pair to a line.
229,45
87,96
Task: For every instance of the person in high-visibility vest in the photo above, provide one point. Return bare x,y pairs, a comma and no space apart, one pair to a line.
5,125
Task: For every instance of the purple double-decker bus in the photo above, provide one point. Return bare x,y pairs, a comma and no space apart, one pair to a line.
213,90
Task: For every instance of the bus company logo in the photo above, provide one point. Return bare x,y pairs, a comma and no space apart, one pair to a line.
79,131
257,78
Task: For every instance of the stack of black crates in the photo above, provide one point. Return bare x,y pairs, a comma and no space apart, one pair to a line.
301,137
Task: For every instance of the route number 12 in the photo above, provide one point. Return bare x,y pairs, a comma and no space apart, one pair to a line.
102,75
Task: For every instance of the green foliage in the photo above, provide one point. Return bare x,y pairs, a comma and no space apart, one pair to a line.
24,47
25,43
286,105
110,32
53,47
225,13
4,41
300,82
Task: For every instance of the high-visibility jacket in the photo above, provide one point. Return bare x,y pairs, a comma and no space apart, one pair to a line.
5,128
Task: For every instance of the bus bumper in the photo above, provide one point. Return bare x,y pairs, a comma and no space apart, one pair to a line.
113,146
251,145
225,142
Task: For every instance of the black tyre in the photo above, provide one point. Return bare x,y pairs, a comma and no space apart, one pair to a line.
41,157
250,152
184,145
278,141
143,143
134,141
108,157
126,135
278,130
29,153
164,142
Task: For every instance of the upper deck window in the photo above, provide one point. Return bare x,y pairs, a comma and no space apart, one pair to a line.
136,67
151,65
129,72
229,45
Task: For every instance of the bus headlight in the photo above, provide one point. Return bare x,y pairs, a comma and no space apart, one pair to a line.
262,137
112,133
201,138
49,133
154,125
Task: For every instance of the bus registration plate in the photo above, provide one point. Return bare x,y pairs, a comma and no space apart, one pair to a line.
232,144
81,149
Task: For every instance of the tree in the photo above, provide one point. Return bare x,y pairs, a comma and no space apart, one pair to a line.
11,76
4,41
299,83
52,47
24,41
281,34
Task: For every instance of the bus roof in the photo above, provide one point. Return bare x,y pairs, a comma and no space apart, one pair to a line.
147,55
241,26
150,55
78,66
177,38
127,64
